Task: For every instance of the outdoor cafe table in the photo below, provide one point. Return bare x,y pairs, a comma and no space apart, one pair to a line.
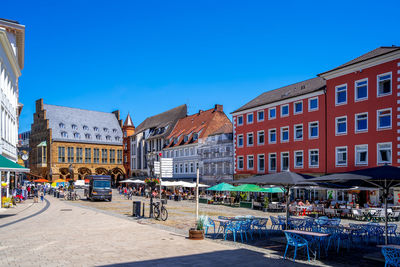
314,235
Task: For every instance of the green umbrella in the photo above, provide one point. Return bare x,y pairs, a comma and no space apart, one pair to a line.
248,188
222,187
272,190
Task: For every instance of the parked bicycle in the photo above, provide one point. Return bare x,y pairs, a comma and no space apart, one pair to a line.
72,195
160,212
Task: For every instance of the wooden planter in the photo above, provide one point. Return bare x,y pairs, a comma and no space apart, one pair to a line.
196,234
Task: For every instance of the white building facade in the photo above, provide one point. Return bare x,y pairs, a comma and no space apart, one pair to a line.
12,38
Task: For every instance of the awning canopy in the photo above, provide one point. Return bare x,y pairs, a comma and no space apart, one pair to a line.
8,165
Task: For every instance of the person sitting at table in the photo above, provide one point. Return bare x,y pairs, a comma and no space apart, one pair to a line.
300,203
337,205
308,203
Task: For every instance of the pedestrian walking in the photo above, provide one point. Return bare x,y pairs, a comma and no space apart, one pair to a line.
41,196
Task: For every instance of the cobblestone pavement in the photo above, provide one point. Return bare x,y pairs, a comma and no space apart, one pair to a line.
61,233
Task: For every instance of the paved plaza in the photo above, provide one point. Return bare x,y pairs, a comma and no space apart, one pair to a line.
83,233
58,233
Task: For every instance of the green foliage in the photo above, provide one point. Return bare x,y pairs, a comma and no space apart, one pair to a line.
200,222
266,202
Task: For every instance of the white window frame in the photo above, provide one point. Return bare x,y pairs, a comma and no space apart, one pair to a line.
309,130
281,108
295,161
248,157
238,137
309,104
288,129
336,125
294,107
247,118
247,139
269,117
377,84
258,137
294,132
258,165
239,124
269,162
356,163
285,152
258,112
336,156
269,136
356,98
309,158
391,153
238,159
377,119
336,95
356,125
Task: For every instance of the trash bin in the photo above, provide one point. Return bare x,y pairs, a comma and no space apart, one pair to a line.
136,209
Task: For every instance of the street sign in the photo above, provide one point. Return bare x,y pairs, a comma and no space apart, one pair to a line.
166,167
156,167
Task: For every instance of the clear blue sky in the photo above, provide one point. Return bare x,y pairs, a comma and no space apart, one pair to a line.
145,57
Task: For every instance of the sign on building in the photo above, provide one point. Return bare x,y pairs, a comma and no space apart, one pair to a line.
156,167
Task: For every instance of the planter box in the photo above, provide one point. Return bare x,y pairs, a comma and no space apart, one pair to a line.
203,200
196,234
244,204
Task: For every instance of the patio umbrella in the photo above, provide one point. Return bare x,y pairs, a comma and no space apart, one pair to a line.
285,180
272,190
382,177
222,187
137,181
126,181
41,181
248,188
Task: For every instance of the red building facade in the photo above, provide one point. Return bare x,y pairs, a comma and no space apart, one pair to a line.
128,130
282,130
357,117
363,103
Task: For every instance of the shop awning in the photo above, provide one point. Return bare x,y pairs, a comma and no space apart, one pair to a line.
8,165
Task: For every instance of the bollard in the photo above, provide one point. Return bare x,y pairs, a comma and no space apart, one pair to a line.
143,210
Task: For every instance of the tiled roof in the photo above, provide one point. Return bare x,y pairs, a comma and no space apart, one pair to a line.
61,120
372,54
164,120
297,89
224,129
205,121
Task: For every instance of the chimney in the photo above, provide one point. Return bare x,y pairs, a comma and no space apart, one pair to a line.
219,108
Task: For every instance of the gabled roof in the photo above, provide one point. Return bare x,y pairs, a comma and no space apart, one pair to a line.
205,122
297,89
372,54
224,129
80,117
166,119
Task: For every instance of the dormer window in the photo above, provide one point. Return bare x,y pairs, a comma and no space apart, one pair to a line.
85,127
115,130
105,130
175,140
195,136
77,135
108,138
117,138
62,125
74,127
88,136
98,137
64,134
185,139
95,129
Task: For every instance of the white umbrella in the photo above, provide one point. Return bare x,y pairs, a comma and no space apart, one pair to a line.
126,181
137,181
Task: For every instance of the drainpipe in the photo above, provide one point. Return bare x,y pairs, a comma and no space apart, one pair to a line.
326,133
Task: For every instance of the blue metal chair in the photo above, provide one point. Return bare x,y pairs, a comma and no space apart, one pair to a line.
392,256
260,225
234,227
296,241
276,223
208,224
392,232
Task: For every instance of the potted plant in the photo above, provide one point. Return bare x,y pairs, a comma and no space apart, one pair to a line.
197,233
152,182
266,204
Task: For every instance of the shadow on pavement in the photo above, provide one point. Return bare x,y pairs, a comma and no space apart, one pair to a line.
243,257
6,215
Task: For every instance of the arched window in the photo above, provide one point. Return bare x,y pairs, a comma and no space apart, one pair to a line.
85,127
105,130
64,134
62,125
74,127
77,135
95,129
